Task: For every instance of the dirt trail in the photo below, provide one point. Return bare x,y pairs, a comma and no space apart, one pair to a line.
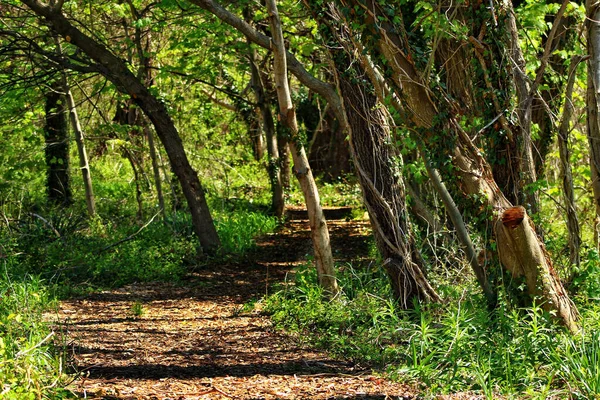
195,340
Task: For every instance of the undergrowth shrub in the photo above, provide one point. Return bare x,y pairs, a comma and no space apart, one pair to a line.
30,366
82,254
444,348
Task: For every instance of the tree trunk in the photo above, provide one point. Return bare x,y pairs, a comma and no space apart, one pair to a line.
114,69
421,107
57,146
318,225
156,172
383,191
565,167
593,106
83,158
377,169
146,73
273,167
525,97
463,235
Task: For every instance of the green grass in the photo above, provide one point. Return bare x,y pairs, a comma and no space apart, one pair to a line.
447,348
30,365
238,230
79,255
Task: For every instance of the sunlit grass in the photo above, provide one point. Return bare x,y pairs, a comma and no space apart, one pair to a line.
453,347
30,365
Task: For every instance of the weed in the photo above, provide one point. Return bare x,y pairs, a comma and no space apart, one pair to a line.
137,309
577,361
458,346
30,366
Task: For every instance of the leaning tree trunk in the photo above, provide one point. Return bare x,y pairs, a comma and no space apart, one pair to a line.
117,71
318,224
57,146
376,162
84,164
593,105
520,249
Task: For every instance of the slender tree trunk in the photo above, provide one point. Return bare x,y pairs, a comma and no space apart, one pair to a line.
156,172
146,73
83,158
593,106
463,235
318,225
524,111
284,157
565,161
136,178
79,139
57,146
114,69
273,167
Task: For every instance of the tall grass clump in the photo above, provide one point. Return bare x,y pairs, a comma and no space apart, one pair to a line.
30,366
441,348
577,361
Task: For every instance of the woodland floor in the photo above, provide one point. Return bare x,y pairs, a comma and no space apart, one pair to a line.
195,340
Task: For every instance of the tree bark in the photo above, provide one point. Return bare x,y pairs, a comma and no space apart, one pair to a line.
156,172
422,108
114,69
376,162
565,167
383,191
593,106
318,224
273,166
57,146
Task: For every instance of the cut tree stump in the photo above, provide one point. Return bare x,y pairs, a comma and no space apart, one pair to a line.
521,254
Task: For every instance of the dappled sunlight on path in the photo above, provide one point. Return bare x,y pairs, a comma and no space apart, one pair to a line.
196,340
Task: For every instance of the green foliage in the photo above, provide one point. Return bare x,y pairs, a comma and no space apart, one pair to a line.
345,191
446,348
137,309
577,361
237,230
586,278
65,248
30,366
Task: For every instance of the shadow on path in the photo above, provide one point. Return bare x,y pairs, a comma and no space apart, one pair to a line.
194,340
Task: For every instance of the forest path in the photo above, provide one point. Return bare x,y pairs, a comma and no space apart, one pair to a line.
195,339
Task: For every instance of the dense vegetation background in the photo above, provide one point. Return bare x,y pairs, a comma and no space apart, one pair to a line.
431,118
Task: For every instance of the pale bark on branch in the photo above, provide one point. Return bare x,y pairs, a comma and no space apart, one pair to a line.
318,224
